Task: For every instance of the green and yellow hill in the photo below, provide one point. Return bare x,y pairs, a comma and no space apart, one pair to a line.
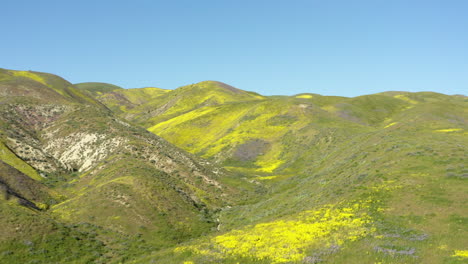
68,159
400,155
283,179
97,88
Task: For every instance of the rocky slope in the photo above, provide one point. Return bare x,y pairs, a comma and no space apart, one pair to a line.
89,166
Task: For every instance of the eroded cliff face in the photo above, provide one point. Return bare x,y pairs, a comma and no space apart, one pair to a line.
61,138
81,151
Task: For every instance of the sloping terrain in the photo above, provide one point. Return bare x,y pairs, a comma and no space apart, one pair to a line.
97,88
152,105
64,150
398,156
284,179
122,100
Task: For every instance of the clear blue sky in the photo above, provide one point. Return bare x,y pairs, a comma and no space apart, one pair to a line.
347,47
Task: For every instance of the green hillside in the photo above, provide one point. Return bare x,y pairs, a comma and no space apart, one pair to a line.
403,153
97,88
123,101
173,103
40,86
73,163
208,173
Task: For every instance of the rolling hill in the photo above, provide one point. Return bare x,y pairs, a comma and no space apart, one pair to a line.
208,173
69,159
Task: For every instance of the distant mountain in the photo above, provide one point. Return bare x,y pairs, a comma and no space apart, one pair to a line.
308,178
124,100
152,105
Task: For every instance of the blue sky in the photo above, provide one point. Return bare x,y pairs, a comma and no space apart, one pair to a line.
330,47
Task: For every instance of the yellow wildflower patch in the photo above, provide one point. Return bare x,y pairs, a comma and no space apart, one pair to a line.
460,254
266,178
304,96
449,130
389,185
405,98
30,75
271,161
289,240
37,78
269,166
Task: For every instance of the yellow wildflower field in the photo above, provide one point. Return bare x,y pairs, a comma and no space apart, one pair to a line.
289,240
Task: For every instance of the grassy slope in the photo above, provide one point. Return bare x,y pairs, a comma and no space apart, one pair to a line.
277,121
117,183
97,88
123,101
185,99
41,86
159,188
332,150
7,156
378,178
32,237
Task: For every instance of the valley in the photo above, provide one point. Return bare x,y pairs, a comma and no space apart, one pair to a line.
209,173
